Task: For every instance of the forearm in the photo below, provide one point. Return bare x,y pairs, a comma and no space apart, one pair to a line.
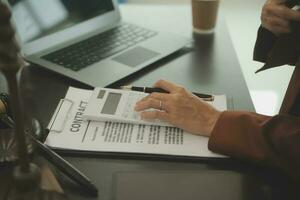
272,141
239,134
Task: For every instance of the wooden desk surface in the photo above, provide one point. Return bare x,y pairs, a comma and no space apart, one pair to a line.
210,66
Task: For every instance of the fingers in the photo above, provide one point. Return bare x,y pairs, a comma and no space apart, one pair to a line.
293,15
166,85
155,95
276,25
150,103
154,100
276,17
272,20
155,115
287,13
275,21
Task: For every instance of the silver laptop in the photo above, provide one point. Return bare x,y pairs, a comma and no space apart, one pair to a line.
86,40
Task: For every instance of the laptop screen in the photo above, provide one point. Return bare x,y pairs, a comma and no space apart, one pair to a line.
38,18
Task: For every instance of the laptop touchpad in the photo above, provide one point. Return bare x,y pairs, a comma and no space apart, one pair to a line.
135,56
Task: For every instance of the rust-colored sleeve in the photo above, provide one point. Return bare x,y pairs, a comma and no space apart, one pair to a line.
259,138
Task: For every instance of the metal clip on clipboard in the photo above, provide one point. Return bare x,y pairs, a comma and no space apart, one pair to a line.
61,115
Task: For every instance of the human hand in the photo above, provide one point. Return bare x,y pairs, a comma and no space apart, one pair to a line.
276,16
9,50
180,108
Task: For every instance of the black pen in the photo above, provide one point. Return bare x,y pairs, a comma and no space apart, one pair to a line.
66,167
205,97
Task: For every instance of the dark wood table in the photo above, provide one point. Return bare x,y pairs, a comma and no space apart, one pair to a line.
208,64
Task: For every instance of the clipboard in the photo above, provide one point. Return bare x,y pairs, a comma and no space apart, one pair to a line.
119,140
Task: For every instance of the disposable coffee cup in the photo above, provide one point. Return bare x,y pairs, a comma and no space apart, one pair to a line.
205,14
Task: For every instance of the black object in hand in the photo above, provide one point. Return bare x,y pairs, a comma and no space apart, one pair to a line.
292,3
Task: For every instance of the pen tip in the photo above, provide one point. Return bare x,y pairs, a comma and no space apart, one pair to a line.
126,87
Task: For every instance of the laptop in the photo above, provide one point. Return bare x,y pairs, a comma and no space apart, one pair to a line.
87,40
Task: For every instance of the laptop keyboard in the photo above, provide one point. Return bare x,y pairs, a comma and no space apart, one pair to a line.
101,46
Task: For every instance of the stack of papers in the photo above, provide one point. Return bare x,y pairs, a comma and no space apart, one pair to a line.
70,131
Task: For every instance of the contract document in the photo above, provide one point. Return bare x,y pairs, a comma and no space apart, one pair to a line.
69,131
